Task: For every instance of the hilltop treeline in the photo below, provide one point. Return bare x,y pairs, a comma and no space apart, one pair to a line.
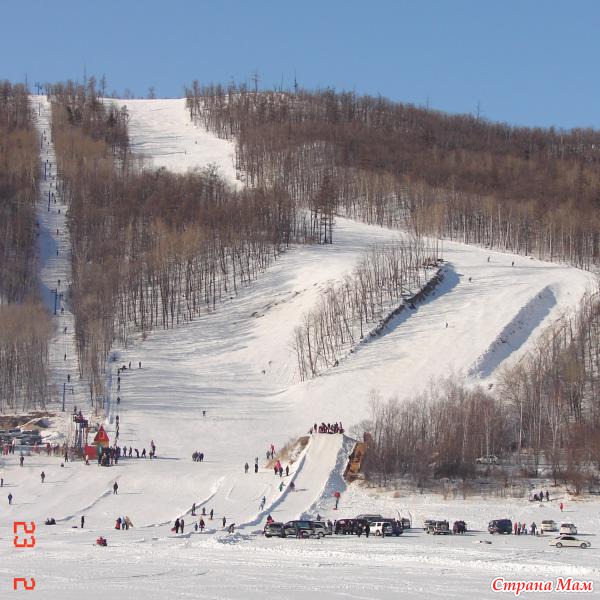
544,410
519,189
24,326
151,248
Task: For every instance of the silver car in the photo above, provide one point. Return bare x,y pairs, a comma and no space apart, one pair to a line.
569,541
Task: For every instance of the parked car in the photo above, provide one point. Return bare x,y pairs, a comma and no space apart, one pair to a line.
369,517
428,525
397,528
381,528
488,459
437,527
567,529
500,526
274,530
321,528
569,541
301,529
549,526
344,527
441,528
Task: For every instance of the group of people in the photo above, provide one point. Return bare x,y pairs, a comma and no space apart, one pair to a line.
124,367
198,456
123,523
521,528
327,428
540,497
277,467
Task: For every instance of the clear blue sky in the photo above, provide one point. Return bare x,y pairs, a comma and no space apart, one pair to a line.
533,62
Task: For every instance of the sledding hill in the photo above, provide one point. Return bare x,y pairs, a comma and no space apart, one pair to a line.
226,384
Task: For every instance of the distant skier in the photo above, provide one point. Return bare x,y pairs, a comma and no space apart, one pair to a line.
446,325
21,460
224,522
193,509
176,525
256,467
42,476
115,488
82,521
10,498
263,502
181,525
212,512
246,467
139,365
202,524
287,470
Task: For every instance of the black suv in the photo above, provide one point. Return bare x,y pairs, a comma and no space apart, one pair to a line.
344,527
500,526
301,529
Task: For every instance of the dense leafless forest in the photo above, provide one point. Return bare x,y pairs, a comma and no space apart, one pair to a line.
530,191
544,411
24,325
151,248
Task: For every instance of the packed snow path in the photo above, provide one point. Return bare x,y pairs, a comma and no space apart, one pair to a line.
162,131
54,261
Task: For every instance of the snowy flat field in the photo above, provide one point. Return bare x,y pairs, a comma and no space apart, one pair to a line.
238,365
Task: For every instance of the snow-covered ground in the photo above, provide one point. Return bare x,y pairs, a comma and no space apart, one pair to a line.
238,365
162,131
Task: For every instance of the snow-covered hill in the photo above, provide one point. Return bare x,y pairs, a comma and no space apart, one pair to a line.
226,385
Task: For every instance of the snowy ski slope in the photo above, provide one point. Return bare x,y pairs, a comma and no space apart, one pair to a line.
238,365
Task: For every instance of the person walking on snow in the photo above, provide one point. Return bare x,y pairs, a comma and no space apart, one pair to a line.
561,506
42,476
287,470
82,521
10,497
193,509
115,488
181,525
263,502
224,522
202,524
212,512
176,525
256,467
21,460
